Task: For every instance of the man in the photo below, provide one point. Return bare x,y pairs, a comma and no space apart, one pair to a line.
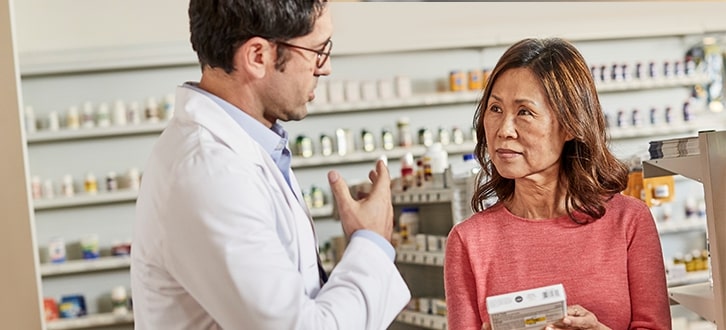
222,236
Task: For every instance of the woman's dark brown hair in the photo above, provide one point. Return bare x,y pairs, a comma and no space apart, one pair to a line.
589,171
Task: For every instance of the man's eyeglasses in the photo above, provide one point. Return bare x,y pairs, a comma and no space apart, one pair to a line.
323,54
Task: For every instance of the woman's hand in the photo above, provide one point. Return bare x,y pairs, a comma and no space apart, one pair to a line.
578,318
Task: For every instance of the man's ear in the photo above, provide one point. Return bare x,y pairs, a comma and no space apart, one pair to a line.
254,56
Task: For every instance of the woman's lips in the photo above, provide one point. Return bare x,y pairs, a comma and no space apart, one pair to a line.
507,153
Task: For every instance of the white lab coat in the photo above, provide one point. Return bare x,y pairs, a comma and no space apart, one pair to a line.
221,241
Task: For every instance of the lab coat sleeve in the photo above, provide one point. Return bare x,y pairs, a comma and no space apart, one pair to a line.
224,243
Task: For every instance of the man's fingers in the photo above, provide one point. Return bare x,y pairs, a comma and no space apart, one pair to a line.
339,188
381,179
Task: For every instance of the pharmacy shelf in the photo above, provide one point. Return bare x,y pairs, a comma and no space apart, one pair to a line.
90,321
420,257
705,299
696,297
100,198
641,84
631,132
427,321
422,196
95,132
326,211
681,226
687,166
429,99
443,98
362,156
85,266
697,277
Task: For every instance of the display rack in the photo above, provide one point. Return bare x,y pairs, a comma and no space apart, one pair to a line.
100,198
707,167
426,321
95,133
90,321
362,156
423,270
84,266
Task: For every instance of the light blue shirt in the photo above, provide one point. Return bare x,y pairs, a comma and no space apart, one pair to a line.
274,141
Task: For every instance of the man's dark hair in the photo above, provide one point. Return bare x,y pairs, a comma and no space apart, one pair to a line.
219,27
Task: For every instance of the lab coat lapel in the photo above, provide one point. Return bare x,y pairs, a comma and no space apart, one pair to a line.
207,113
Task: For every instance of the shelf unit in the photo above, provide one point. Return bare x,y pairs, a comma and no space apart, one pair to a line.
707,168
420,257
83,199
426,321
84,266
698,277
90,321
95,133
681,226
423,270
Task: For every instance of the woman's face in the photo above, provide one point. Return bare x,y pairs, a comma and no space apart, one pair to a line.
524,138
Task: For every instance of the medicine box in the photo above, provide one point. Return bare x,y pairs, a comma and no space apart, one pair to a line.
527,309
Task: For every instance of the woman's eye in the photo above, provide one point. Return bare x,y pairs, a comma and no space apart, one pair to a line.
495,108
525,112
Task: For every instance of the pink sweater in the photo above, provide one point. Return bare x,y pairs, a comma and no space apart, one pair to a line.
613,267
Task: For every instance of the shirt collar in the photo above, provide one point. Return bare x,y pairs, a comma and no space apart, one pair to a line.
273,140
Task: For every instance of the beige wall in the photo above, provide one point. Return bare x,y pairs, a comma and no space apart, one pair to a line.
51,25
19,281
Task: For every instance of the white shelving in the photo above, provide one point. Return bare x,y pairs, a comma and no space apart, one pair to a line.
423,269
428,99
120,196
706,167
322,212
700,276
648,131
685,166
84,266
637,84
96,132
90,321
362,156
680,226
419,100
422,196
427,321
420,257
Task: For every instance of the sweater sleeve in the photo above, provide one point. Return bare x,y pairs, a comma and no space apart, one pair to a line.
460,286
646,275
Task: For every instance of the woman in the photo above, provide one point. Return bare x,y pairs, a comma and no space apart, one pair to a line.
560,217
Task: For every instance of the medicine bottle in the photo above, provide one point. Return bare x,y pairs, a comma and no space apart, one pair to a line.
408,179
326,145
67,188
457,80
409,219
369,143
90,184
405,137
103,117
387,141
119,301
111,181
